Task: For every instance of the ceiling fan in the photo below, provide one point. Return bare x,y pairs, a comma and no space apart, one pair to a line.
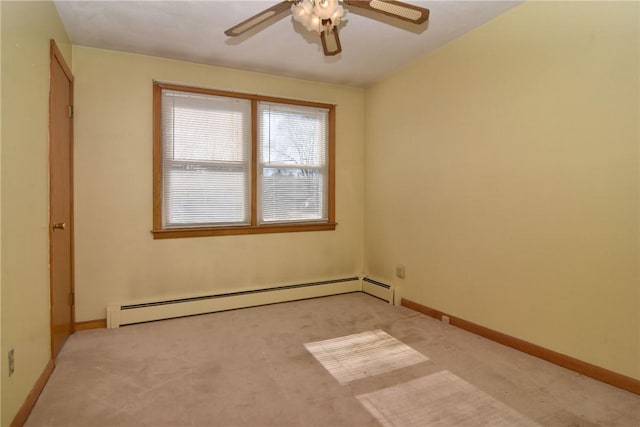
323,16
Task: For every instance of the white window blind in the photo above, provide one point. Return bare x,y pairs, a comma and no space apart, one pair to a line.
206,167
292,163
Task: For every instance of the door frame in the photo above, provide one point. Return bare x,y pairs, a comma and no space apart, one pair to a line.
57,57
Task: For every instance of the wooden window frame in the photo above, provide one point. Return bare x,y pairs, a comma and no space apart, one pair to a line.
254,228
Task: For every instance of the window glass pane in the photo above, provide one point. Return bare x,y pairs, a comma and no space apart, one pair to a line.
205,127
290,195
292,135
292,153
206,196
206,144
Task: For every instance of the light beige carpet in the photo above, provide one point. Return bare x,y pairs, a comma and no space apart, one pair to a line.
363,355
440,400
250,367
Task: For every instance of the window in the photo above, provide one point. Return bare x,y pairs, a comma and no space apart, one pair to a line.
231,163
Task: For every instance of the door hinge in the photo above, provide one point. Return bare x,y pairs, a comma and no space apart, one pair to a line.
70,111
72,298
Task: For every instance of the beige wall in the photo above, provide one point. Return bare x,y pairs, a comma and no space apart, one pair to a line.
502,170
26,30
117,261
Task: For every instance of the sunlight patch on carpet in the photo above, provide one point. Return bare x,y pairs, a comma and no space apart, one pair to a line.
362,355
440,400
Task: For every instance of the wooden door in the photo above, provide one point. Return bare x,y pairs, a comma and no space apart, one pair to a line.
61,200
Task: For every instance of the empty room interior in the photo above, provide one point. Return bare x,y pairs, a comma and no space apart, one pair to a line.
419,222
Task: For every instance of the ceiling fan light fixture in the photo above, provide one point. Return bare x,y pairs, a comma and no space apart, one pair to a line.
302,12
324,9
324,16
315,23
338,15
317,15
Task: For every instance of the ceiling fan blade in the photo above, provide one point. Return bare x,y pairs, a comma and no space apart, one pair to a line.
331,42
258,19
397,9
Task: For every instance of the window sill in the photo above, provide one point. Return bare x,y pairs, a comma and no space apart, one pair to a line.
177,233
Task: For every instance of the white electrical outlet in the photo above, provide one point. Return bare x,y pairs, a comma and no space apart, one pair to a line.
400,270
12,362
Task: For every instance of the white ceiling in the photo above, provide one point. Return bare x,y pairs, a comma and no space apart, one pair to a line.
194,31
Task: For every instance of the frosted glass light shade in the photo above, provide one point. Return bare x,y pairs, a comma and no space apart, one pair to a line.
324,9
311,13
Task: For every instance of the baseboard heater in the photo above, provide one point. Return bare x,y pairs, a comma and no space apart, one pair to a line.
120,315
377,289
